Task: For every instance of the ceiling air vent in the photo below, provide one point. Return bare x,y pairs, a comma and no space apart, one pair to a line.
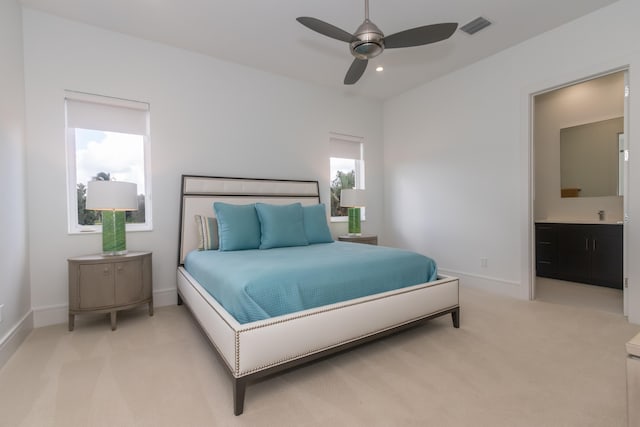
476,25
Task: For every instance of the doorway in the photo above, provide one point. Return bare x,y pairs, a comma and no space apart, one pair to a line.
574,183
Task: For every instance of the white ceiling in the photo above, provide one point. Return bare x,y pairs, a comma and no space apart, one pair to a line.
264,34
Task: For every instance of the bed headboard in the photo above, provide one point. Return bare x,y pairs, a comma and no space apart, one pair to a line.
198,193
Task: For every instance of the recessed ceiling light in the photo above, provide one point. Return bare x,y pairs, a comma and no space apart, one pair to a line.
378,69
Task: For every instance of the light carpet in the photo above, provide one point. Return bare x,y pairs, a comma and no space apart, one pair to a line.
511,363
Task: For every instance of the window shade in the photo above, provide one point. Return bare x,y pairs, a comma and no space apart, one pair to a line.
107,114
344,147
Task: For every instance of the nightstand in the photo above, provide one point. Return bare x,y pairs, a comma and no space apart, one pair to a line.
108,284
368,239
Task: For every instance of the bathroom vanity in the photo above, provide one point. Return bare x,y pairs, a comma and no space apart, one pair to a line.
580,252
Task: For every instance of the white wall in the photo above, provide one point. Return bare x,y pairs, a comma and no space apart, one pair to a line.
457,151
207,117
14,284
587,102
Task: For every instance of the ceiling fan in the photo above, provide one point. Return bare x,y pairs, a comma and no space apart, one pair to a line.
368,41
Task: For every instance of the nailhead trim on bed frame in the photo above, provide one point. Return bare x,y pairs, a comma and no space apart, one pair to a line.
338,344
236,370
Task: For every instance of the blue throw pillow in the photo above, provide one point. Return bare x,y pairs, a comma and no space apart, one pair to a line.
281,225
238,226
315,224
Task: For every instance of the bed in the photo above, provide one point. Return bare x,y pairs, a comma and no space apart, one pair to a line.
254,347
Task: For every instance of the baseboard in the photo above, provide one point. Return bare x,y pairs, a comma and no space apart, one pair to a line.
492,284
50,315
165,297
12,340
56,314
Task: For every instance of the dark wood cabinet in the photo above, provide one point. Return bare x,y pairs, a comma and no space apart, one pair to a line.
585,253
546,250
607,256
574,252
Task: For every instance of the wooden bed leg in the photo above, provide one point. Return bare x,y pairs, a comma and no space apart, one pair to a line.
239,386
455,316
180,302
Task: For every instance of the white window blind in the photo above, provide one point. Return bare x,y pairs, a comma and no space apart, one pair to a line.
108,114
345,147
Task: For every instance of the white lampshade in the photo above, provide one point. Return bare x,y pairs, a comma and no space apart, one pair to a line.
112,195
352,198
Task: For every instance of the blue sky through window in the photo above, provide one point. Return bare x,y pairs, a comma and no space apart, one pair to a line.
120,154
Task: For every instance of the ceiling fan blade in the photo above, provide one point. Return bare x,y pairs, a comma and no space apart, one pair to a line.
420,35
325,29
355,71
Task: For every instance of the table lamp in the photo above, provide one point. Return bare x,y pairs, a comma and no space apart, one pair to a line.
113,198
354,200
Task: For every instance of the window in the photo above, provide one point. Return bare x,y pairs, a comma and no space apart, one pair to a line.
346,170
107,139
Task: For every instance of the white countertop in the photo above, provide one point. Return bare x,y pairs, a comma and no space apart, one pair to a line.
575,221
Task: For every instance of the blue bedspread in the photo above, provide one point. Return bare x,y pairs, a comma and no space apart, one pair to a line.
258,284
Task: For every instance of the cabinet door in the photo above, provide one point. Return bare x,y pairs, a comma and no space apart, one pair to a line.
96,285
574,253
606,260
129,285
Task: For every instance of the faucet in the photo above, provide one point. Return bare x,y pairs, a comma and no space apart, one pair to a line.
601,215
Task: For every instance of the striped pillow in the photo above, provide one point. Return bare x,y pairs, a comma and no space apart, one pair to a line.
207,233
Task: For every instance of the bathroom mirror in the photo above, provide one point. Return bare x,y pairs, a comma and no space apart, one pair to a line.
590,159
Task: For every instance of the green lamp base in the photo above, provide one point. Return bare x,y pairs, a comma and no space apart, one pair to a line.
354,221
114,237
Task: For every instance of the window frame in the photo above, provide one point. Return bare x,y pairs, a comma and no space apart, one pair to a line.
74,227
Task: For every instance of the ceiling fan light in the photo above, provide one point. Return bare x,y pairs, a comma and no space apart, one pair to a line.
366,50
369,41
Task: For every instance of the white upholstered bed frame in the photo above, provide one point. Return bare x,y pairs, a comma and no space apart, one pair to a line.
260,348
